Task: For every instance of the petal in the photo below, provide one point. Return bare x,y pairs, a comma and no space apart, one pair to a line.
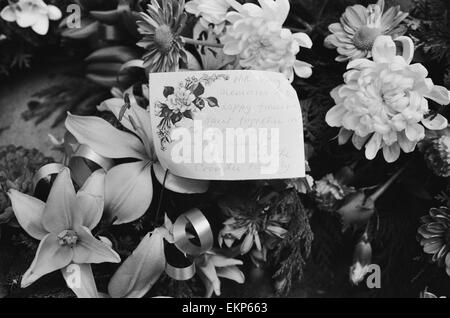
88,208
8,14
41,26
437,122
80,279
373,146
29,212
57,212
415,132
335,115
302,69
439,94
209,271
359,141
408,48
53,12
50,257
344,136
384,49
141,124
391,153
129,191
27,17
222,261
89,250
232,273
140,271
180,184
303,40
104,139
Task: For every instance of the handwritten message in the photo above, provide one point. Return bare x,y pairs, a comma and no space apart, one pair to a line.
227,125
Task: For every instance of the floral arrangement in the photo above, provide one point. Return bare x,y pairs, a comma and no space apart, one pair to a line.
373,83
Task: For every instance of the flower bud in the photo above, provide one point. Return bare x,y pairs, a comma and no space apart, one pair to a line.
361,260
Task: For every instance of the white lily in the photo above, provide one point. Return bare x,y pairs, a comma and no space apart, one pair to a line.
129,188
64,225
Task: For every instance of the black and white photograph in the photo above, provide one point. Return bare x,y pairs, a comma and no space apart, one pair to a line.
224,154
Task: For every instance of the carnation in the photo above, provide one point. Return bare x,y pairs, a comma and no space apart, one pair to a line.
383,103
257,37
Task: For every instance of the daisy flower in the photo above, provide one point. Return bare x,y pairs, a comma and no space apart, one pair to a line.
384,103
161,27
358,28
257,37
434,236
31,13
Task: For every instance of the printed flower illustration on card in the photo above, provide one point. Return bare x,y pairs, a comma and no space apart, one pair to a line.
183,101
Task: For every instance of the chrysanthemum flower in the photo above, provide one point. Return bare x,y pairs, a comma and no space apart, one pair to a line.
383,102
211,13
358,28
435,236
256,35
31,13
161,27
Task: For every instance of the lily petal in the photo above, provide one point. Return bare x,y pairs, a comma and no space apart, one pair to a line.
135,118
128,191
29,212
180,184
209,271
89,250
80,279
104,139
232,273
88,208
222,261
140,271
50,257
57,213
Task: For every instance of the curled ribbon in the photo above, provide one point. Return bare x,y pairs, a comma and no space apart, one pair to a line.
185,249
79,156
45,173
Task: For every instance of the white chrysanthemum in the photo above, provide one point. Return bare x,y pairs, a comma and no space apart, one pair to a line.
358,28
211,12
383,102
31,13
256,35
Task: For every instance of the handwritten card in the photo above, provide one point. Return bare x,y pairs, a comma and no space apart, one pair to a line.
227,125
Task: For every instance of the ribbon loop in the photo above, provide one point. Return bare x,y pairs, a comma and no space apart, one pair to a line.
202,228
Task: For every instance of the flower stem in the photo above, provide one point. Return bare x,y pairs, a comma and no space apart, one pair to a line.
161,196
385,186
201,43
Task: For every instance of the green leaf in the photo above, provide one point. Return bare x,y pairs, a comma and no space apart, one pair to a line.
212,102
168,90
